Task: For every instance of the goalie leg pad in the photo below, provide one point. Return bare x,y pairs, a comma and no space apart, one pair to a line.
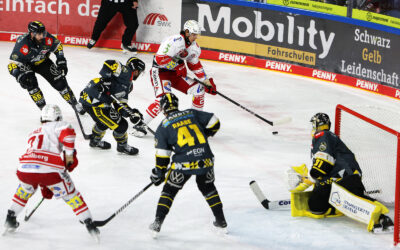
299,204
355,207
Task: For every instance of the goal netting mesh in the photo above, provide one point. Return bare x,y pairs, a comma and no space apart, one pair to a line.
371,134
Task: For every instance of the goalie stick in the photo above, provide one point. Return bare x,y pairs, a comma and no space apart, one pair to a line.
270,205
272,123
100,223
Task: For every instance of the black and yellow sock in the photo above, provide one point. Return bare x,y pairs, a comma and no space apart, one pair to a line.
164,204
37,96
120,138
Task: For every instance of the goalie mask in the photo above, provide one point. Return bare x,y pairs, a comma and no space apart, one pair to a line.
320,121
168,103
51,113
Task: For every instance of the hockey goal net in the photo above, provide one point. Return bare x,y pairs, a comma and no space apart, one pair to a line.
371,134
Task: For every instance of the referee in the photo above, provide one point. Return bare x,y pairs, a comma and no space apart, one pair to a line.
107,11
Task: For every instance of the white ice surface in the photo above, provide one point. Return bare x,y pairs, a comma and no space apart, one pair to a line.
244,148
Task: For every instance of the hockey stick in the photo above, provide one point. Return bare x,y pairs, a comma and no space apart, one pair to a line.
272,123
31,213
128,111
270,205
85,136
100,223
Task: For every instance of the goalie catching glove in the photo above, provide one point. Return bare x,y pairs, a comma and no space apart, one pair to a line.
297,178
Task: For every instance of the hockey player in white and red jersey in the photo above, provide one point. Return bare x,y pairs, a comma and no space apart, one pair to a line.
42,165
169,71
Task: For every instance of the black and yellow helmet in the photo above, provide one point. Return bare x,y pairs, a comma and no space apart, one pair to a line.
320,121
36,27
135,63
169,102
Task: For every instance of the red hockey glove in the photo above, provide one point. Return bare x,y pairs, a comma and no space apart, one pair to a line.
70,161
181,70
46,193
210,86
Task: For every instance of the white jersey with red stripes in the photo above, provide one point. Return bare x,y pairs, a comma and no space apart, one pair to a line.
45,147
173,49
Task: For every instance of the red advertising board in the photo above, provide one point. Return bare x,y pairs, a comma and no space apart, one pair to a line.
62,17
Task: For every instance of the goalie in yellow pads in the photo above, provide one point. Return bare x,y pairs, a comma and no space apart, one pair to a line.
336,179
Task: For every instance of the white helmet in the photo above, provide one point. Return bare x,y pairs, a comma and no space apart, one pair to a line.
51,113
192,26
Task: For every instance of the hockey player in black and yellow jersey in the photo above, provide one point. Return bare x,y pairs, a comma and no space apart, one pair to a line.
31,55
185,135
98,101
337,180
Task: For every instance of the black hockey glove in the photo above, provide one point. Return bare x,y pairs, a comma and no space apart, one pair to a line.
135,116
27,79
104,93
157,176
62,65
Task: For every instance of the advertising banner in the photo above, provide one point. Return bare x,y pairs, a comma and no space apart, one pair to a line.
331,46
376,18
72,21
313,6
158,19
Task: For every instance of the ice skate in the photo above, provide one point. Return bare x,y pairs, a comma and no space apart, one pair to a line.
126,149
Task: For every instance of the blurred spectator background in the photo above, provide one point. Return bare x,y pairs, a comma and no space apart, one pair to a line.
385,7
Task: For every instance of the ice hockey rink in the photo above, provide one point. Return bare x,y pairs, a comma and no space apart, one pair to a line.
244,149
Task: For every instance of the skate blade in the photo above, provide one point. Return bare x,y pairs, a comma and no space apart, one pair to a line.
8,231
380,230
129,52
138,134
154,234
221,231
96,237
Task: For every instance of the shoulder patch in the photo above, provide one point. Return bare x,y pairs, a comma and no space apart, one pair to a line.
14,56
322,146
24,50
49,41
319,134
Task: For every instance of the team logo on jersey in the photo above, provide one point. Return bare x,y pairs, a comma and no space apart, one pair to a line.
176,177
210,176
167,86
54,70
14,56
183,53
58,192
49,41
24,50
322,146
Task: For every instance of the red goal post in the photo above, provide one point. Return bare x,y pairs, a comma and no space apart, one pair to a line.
377,150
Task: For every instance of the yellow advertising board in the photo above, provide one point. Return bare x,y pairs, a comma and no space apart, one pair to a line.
312,5
376,18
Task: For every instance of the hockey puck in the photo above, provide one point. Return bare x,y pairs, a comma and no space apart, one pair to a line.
275,132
